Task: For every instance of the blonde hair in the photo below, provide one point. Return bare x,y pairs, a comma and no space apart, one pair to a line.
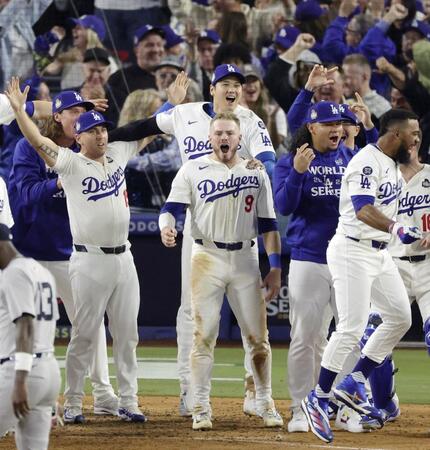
227,115
50,128
138,105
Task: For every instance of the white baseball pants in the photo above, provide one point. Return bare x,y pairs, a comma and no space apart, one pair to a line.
43,383
103,283
99,369
357,269
311,298
236,273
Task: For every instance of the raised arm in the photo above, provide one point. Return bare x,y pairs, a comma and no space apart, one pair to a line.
45,147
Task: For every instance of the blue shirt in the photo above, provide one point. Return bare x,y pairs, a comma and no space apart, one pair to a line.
312,199
41,229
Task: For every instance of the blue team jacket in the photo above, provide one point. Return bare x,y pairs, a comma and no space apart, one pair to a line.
312,199
41,229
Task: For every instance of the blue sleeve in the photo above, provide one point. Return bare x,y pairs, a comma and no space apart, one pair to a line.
265,225
375,44
166,106
30,178
174,208
269,161
287,186
358,201
334,40
371,135
29,108
297,113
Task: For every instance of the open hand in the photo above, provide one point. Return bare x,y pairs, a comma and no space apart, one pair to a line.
14,94
177,91
319,77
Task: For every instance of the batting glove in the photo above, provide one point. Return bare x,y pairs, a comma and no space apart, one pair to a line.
405,233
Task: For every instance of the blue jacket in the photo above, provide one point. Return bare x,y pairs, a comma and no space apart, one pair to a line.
41,229
312,199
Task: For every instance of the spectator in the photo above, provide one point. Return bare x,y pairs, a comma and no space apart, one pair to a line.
166,72
357,73
232,54
149,51
174,42
398,100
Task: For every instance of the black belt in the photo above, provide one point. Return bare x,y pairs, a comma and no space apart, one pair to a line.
107,250
230,247
375,244
11,358
415,258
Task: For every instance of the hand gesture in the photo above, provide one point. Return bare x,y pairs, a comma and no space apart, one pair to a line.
382,64
347,7
177,91
319,77
304,156
376,8
14,94
360,109
305,41
396,12
100,104
168,236
20,398
272,283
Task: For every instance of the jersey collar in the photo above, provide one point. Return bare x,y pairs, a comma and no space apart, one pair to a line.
208,108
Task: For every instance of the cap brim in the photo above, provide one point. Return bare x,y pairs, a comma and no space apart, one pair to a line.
87,105
230,74
106,123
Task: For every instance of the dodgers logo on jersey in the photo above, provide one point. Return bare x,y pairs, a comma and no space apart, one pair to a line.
107,187
211,190
410,203
389,192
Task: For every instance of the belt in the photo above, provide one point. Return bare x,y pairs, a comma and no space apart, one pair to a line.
35,355
222,245
414,258
379,245
106,250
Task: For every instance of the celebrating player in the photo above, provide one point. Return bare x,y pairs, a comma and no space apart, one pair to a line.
227,203
96,194
29,372
189,123
359,262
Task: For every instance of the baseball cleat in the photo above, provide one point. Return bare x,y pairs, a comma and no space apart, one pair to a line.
353,394
249,407
349,420
298,422
315,410
392,410
73,414
272,418
184,409
107,407
132,414
202,421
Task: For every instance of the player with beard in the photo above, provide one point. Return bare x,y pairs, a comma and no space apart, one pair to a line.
360,263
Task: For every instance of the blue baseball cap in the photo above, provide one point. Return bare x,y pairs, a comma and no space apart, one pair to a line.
92,22
308,10
226,70
67,99
171,37
209,35
323,112
420,26
144,30
347,114
91,119
286,36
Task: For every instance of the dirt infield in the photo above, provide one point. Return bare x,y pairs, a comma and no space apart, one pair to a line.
232,430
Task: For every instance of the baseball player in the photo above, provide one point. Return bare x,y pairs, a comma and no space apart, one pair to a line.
189,123
229,204
5,213
102,271
29,373
37,198
359,261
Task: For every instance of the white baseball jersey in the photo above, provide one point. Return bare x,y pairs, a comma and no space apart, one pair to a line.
97,194
7,114
27,288
5,213
225,203
189,123
370,172
414,211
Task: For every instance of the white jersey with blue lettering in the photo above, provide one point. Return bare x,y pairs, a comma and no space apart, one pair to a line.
189,123
371,173
224,202
27,288
97,194
5,213
414,211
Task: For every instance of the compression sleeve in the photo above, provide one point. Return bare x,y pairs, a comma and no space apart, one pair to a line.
135,131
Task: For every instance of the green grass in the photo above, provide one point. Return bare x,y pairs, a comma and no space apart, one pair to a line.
412,380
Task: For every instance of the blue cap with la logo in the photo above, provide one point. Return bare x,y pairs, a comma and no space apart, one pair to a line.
226,70
323,112
68,99
90,120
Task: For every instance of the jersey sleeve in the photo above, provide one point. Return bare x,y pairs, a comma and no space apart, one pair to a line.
166,122
19,300
123,151
181,191
362,175
5,213
65,161
265,208
256,137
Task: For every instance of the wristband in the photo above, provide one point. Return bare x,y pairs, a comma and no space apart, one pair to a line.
275,260
23,361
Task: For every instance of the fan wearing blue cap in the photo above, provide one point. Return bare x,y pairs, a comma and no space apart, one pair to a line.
94,184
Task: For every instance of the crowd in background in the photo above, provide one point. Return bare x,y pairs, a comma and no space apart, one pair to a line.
130,51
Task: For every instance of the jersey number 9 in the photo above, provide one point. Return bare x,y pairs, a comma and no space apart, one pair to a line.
249,201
